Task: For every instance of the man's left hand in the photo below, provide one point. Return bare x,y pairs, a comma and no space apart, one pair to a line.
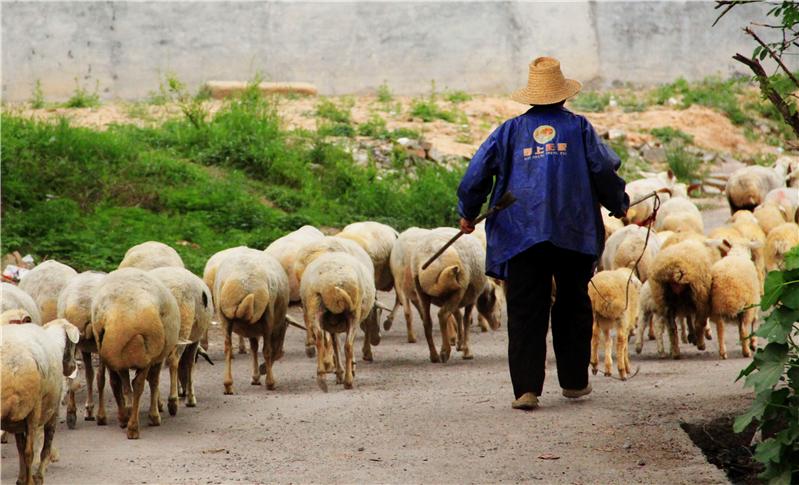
467,226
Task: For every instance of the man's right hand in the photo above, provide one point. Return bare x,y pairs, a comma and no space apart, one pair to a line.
467,226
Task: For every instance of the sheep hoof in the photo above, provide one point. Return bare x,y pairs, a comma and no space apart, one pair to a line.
155,419
411,339
133,433
368,357
89,413
172,405
467,355
623,377
675,356
444,354
434,358
270,386
228,389
256,381
700,346
262,368
606,374
160,406
190,403
320,381
72,420
242,350
310,351
638,349
339,377
723,355
594,370
101,421
374,339
387,324
347,385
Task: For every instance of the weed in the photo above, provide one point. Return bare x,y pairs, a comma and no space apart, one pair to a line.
160,97
81,98
328,110
139,111
591,101
631,103
458,96
667,135
764,159
712,92
375,127
336,129
37,99
686,166
384,93
192,107
429,110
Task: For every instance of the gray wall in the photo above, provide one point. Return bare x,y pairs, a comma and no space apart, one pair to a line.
353,47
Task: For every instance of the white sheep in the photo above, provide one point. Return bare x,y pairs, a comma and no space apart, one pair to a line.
209,275
648,318
747,187
34,362
454,280
12,298
285,249
679,215
664,183
780,240
15,317
135,321
495,289
629,245
251,292
338,295
377,240
196,308
75,305
614,300
44,283
788,169
150,255
400,263
786,198
769,216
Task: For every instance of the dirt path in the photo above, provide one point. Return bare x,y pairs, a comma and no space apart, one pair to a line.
410,421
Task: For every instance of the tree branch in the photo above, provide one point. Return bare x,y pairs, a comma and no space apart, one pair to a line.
765,86
774,56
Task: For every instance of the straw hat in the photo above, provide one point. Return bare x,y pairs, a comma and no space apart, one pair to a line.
546,84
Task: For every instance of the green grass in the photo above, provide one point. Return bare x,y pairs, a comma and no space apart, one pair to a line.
458,96
384,93
686,166
590,101
37,99
713,92
82,98
428,110
330,111
84,197
668,134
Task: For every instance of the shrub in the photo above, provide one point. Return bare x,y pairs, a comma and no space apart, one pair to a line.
375,127
384,93
591,101
667,134
328,110
685,165
81,98
458,96
37,100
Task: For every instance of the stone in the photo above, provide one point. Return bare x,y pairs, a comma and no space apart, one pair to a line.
653,154
435,155
616,134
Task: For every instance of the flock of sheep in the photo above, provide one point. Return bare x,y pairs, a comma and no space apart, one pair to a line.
152,312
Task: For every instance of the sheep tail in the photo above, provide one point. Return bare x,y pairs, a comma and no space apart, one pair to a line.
337,300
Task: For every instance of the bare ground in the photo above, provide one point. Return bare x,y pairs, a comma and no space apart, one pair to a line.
410,421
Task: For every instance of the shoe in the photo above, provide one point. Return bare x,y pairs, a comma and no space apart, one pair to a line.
577,393
527,401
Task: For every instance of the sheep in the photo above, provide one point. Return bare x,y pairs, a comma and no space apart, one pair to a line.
400,263
494,290
195,307
14,298
780,240
454,280
747,187
377,240
788,169
648,317
734,292
786,198
339,244
135,321
611,224
626,246
679,215
34,362
614,299
15,317
44,283
680,286
285,249
338,295
209,275
769,216
664,183
150,255
251,291
75,305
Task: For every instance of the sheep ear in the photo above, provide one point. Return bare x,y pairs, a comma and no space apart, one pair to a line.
72,333
714,243
755,244
670,174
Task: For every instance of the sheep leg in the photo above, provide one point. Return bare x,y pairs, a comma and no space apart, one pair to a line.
186,373
127,392
116,387
389,321
268,361
660,327
686,337
101,417
138,389
464,326
651,331
89,368
699,330
349,370
428,329
72,407
621,344
310,341
256,373
25,442
720,335
228,380
173,361
408,312
337,360
708,334
744,337
482,323
443,323
455,338
367,343
751,316
320,358
242,347
608,351
594,348
47,446
639,335
330,364
674,341
153,378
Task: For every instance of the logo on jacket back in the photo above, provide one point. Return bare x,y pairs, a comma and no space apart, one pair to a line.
544,134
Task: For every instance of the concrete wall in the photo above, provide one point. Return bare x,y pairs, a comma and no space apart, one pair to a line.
352,47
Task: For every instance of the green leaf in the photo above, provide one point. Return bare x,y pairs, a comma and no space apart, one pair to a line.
763,54
768,451
755,412
778,325
773,289
793,377
790,296
777,474
791,260
747,370
770,363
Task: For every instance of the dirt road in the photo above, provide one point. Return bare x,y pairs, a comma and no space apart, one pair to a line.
410,421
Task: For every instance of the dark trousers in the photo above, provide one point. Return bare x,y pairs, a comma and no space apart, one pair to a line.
529,288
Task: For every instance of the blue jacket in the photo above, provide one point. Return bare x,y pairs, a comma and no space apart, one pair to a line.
559,170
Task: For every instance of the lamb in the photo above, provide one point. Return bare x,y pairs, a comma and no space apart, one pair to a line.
75,305
611,224
679,215
788,169
614,299
285,250
624,248
780,240
377,240
14,298
34,362
494,290
209,275
747,187
454,280
150,255
195,308
786,198
680,285
769,216
338,295
44,283
648,317
734,292
251,291
664,183
135,321
400,263
338,244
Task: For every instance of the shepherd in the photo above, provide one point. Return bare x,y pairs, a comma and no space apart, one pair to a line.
557,167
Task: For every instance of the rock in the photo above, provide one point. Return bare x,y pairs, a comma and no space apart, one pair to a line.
616,134
426,145
612,102
404,141
360,157
653,154
709,189
709,157
672,101
435,155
